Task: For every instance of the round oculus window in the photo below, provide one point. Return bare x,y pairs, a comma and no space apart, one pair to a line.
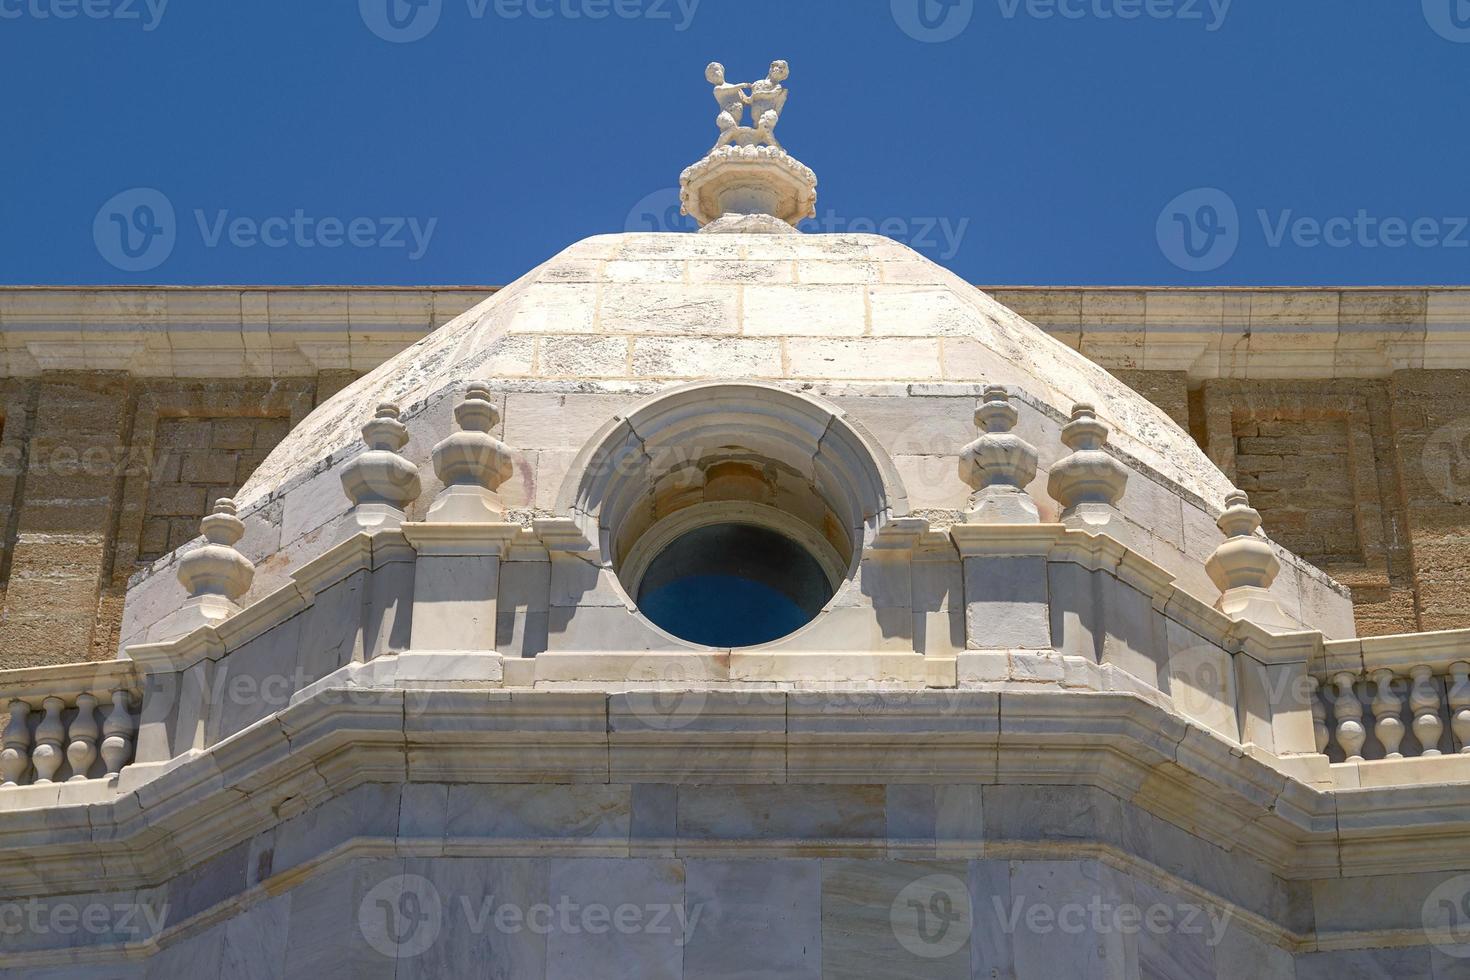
733,585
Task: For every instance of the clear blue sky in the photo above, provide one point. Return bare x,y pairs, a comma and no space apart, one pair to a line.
1192,142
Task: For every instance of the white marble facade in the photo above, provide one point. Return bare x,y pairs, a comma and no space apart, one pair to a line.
410,722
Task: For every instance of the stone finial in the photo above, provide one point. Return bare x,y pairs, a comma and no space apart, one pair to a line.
381,483
1245,559
748,183
1244,567
472,464
999,465
215,575
1088,483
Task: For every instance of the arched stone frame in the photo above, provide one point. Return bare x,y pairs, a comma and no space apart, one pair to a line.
622,489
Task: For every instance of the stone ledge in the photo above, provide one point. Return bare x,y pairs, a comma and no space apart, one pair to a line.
344,736
260,331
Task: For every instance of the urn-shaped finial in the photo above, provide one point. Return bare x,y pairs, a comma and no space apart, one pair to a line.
471,463
381,483
1245,558
1089,478
215,575
1244,566
999,465
216,568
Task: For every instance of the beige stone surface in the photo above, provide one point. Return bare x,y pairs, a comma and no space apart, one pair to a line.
1189,335
1009,347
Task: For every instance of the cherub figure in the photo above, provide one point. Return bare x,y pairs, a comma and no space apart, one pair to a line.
732,100
766,99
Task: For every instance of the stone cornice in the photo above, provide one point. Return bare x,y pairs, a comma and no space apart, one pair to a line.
1438,651
345,735
254,331
99,678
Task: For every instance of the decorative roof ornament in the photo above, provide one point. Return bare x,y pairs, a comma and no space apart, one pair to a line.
471,463
1089,482
214,574
748,183
999,465
1244,567
380,482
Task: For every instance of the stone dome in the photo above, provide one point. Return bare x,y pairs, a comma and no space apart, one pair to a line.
899,347
618,311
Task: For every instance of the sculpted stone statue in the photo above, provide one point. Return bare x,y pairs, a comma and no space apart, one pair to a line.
766,99
748,183
732,100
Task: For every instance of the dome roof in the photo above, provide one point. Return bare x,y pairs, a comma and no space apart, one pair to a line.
633,312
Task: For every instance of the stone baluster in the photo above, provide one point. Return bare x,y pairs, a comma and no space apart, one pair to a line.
381,483
47,755
999,465
81,749
1244,567
1424,701
1349,714
1319,714
1387,724
472,464
1088,483
117,734
15,758
1460,705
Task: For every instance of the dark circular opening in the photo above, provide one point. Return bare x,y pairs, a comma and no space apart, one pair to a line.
733,585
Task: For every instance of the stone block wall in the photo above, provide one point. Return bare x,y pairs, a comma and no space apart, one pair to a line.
1325,465
196,461
102,473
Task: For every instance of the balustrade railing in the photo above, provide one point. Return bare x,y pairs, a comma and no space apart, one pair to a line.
67,724
1392,712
